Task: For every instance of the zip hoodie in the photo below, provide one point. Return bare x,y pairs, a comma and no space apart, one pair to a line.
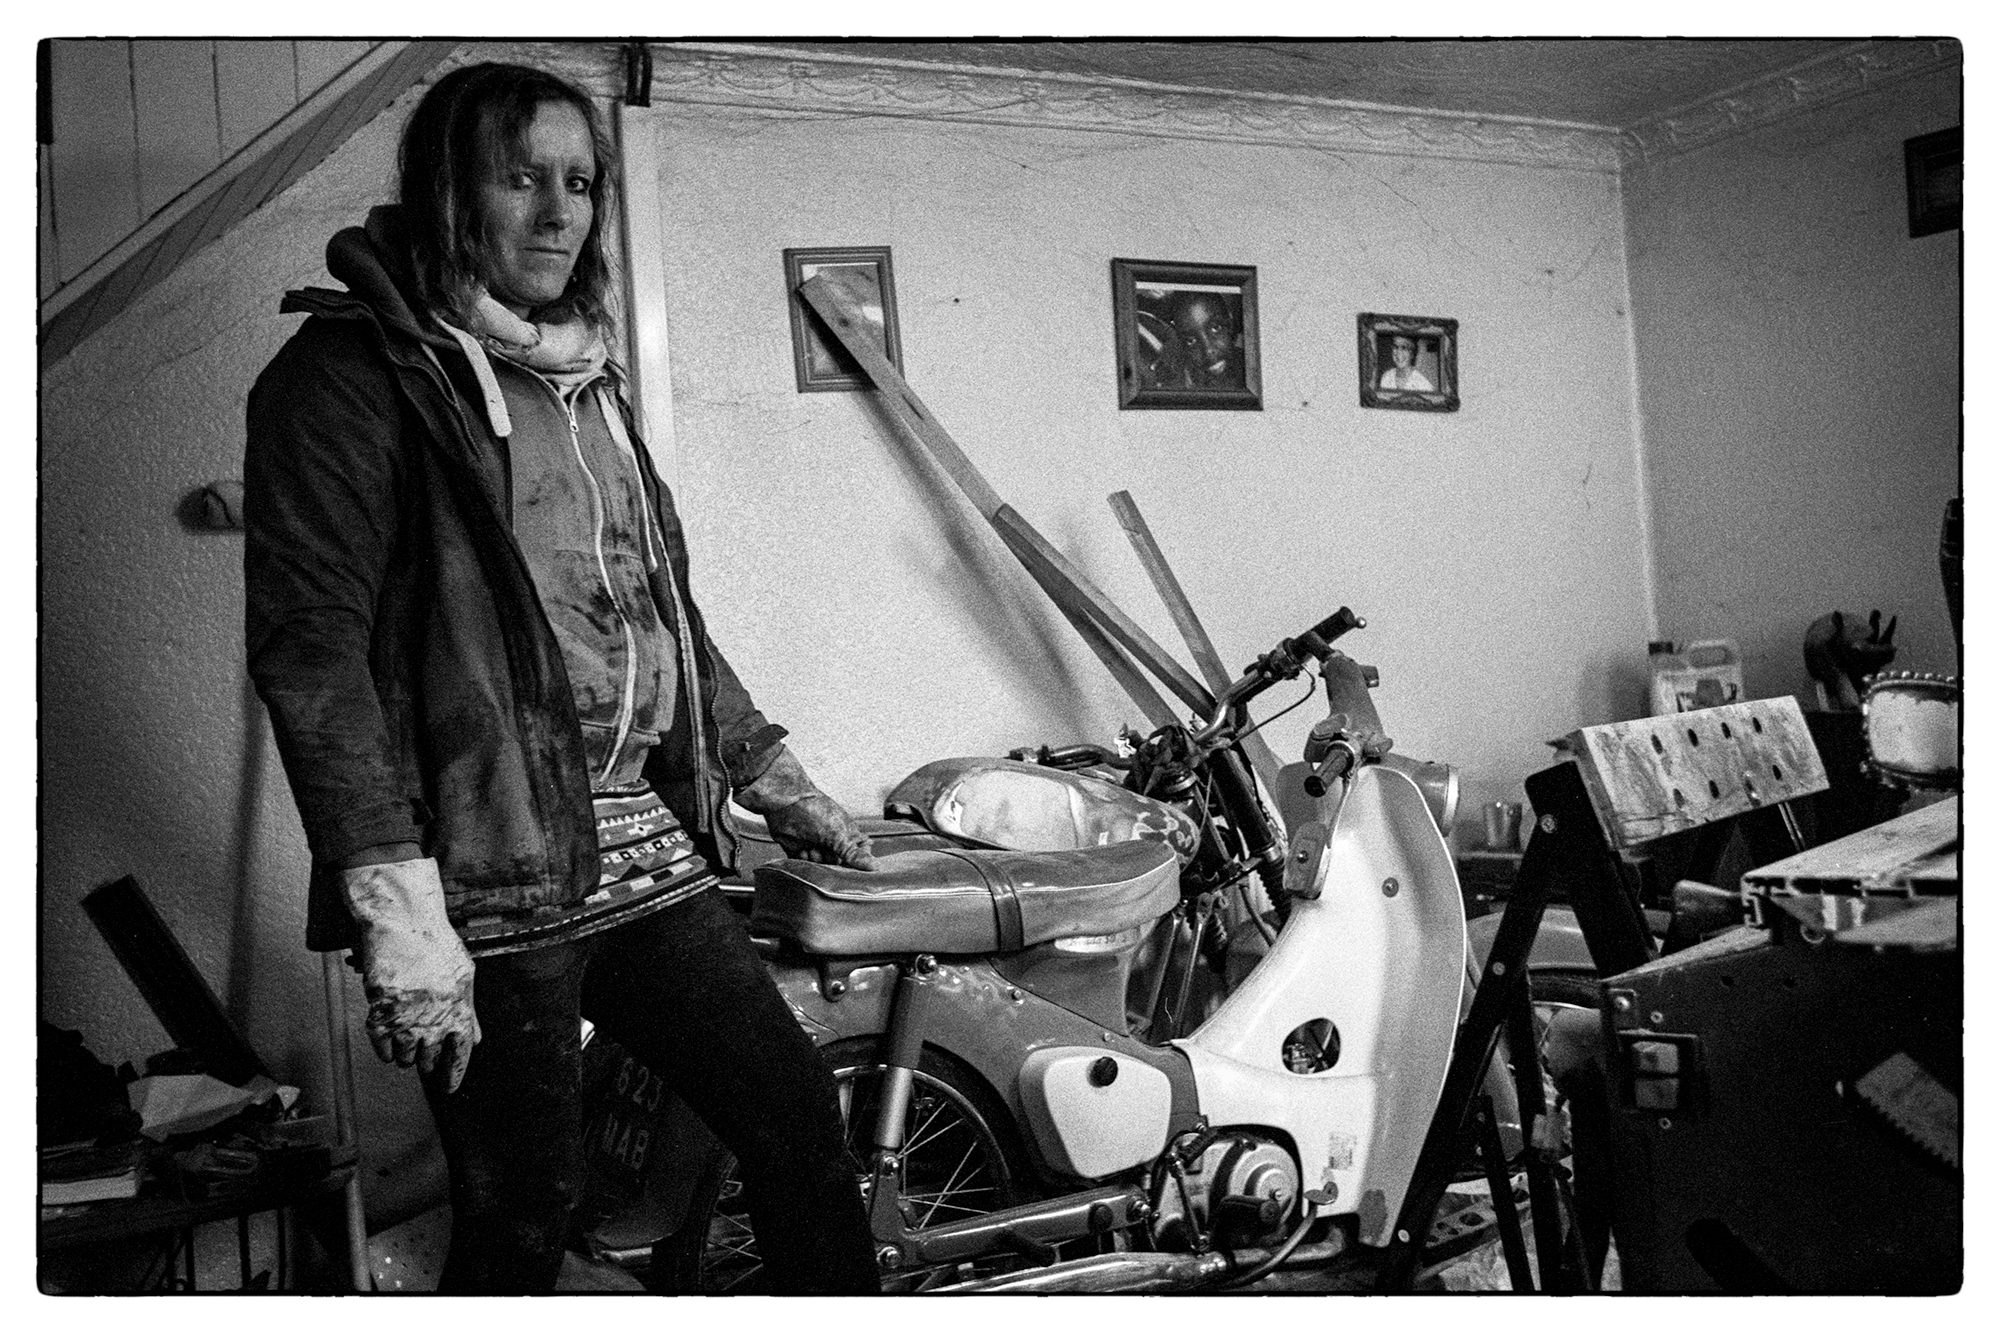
417,689
579,510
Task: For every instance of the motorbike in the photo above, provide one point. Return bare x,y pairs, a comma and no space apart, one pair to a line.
1098,1025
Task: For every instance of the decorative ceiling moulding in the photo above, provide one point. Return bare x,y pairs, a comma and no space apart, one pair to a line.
1807,86
774,79
596,67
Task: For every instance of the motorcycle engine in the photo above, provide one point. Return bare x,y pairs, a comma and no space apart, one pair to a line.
1242,1191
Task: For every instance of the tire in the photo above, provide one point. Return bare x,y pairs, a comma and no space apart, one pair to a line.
961,1158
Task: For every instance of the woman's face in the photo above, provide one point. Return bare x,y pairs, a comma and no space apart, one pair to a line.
1404,352
537,211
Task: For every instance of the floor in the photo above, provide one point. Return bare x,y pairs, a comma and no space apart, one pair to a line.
408,1258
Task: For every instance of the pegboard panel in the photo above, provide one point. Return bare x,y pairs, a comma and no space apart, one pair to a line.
1658,775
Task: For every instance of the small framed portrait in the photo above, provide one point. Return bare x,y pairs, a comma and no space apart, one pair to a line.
1934,168
863,271
1187,334
1409,361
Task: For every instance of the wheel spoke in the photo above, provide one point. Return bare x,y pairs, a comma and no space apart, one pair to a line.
923,1134
916,1135
952,1169
950,1184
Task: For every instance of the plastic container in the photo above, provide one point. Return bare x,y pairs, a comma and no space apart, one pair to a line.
1703,674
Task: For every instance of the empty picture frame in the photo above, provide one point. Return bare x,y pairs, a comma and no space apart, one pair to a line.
1187,334
1409,361
863,271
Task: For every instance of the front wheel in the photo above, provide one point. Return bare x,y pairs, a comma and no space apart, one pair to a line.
960,1157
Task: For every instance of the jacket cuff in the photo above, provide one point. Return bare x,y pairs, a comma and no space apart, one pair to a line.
355,831
746,760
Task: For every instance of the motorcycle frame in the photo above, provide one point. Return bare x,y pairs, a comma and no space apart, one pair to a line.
1377,945
895,1001
1333,957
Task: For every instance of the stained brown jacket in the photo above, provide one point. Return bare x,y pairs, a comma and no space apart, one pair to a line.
415,688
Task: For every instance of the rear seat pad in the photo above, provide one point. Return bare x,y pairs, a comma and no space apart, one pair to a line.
965,901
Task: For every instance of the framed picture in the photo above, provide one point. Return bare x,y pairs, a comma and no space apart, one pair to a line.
1934,167
822,364
1187,334
1409,361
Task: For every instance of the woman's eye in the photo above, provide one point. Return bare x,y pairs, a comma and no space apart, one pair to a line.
579,185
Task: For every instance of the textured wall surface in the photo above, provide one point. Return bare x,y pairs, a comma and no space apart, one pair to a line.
1798,358
138,122
1496,551
156,758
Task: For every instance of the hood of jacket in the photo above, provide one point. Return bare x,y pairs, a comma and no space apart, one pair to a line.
372,262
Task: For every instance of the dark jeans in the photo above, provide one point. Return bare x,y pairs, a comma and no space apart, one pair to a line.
684,992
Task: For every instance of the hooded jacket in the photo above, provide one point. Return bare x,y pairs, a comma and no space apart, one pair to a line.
416,690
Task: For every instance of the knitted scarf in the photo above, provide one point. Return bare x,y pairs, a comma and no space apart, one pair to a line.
566,354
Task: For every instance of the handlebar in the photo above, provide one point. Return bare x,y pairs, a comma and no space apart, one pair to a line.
1318,641
1282,663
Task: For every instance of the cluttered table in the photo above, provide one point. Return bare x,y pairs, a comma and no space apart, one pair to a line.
178,1201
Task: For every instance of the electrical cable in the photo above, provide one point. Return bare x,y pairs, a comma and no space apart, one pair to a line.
1278,1256
1310,684
1250,910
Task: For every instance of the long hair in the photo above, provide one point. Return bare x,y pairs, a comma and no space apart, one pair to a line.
470,124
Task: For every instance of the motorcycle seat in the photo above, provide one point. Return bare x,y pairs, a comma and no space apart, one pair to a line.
965,901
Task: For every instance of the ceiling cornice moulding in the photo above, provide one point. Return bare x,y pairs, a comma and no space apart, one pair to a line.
718,74
1834,77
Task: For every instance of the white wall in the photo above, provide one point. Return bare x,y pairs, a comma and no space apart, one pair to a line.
156,758
1799,380
1497,551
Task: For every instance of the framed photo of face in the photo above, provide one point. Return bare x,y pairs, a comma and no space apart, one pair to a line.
821,363
1409,361
1187,335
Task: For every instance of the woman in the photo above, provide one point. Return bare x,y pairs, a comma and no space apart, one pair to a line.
511,740
1403,374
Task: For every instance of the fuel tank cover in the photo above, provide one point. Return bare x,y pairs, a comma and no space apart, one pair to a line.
1092,1112
1029,808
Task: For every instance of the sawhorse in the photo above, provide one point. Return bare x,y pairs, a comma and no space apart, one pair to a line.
1625,784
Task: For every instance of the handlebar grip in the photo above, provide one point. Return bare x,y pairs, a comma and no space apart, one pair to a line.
1319,639
1335,766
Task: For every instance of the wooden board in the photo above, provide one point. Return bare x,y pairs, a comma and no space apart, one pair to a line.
1659,775
173,85
1263,759
895,394
1916,853
1020,535
1122,668
94,159
1077,597
256,83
